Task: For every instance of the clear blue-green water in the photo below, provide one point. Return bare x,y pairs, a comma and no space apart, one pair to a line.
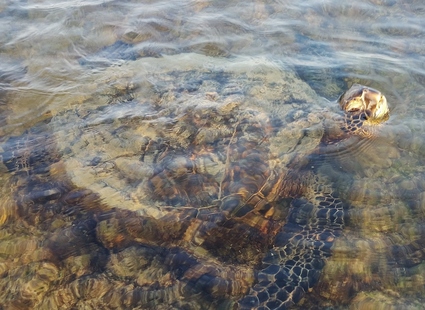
81,56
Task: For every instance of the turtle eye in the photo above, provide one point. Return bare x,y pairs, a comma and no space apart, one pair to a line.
352,110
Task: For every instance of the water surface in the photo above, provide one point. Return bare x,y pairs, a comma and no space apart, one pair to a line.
102,60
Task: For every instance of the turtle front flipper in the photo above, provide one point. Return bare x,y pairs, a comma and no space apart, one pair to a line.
293,266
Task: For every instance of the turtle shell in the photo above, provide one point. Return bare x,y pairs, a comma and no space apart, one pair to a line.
172,138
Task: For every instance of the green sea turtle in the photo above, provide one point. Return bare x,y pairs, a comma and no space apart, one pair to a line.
300,236
190,199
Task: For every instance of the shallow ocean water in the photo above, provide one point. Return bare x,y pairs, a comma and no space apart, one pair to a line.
80,56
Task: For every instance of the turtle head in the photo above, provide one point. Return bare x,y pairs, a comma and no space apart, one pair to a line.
365,103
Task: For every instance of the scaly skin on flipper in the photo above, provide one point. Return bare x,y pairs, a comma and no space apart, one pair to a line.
292,267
